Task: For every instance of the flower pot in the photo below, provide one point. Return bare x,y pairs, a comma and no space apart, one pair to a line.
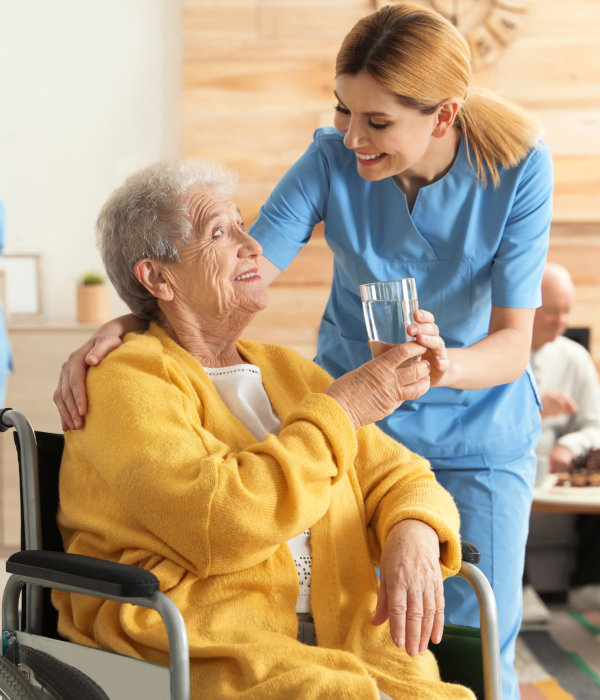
93,303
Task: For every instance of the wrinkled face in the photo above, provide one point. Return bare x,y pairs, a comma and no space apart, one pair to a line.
387,137
552,317
218,273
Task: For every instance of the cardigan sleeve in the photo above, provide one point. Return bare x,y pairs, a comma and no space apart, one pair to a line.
397,485
393,483
181,491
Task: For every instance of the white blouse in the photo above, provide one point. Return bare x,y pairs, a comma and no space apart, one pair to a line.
242,390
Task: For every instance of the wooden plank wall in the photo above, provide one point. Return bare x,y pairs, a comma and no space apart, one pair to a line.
258,79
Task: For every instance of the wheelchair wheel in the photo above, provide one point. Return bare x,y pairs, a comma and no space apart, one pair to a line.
13,684
58,679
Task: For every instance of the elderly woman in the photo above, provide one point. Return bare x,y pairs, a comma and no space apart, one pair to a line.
253,486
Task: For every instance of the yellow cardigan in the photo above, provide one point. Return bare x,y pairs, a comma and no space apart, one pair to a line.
164,477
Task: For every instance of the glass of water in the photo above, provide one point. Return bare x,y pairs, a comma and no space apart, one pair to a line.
388,308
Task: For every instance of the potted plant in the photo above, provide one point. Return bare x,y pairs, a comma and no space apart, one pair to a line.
93,299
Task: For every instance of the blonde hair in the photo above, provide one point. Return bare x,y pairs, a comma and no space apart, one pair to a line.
421,57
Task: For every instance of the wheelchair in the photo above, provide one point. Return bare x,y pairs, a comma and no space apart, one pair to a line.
36,664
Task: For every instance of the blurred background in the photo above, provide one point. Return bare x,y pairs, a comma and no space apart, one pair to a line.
92,90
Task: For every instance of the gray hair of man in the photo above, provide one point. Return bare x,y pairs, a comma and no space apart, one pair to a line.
148,217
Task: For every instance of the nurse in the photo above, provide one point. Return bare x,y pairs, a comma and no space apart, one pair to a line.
426,177
429,178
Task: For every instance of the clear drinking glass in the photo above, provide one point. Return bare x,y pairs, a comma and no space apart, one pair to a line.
388,308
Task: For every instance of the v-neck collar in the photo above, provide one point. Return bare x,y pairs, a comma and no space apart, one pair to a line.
456,169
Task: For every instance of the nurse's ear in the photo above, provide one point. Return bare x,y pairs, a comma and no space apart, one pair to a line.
445,116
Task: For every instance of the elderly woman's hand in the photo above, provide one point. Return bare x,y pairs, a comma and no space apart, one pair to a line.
377,388
411,593
427,334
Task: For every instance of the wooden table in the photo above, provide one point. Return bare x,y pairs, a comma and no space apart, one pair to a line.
571,499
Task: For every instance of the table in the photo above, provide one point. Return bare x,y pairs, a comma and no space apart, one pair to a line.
549,498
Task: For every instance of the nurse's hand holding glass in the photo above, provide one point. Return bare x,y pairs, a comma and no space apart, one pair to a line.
392,316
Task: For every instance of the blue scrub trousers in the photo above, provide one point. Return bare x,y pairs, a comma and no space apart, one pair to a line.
494,501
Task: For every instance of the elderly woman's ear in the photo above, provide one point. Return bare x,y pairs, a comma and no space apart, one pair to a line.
149,273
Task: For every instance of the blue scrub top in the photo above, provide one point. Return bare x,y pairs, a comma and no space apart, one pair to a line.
469,248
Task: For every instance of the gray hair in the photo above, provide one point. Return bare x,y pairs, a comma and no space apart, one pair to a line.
147,217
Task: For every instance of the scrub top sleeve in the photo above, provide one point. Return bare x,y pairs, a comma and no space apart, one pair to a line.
296,205
519,263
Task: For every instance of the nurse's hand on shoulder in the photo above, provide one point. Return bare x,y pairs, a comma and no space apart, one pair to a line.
376,389
70,395
411,594
427,335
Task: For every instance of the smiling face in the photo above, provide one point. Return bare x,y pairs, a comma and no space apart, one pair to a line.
387,137
217,279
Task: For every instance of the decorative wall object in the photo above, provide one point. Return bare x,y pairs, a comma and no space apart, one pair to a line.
20,284
93,299
488,25
258,78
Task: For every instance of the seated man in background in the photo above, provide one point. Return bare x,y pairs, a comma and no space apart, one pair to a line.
566,377
570,393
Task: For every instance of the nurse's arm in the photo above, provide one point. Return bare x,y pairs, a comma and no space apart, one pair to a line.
268,270
499,358
70,395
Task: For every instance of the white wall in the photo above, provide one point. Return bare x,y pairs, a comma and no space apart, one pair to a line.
89,92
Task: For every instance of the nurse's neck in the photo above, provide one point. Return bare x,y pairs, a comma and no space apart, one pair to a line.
436,162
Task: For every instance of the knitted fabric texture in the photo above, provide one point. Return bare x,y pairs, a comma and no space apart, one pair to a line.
164,477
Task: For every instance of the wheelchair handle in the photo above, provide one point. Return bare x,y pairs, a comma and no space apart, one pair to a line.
469,553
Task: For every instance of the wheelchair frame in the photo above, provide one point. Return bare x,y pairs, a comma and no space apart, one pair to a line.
36,568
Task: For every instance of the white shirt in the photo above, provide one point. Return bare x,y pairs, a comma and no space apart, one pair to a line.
568,367
242,390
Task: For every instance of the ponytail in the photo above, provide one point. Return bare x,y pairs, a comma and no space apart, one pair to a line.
497,133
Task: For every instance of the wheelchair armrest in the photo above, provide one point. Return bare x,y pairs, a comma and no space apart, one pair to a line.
469,552
105,579
97,576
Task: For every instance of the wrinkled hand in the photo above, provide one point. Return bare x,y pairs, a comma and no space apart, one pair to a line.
555,403
377,388
70,395
411,593
560,459
427,334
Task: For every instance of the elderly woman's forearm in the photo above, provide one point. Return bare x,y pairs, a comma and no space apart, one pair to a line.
196,493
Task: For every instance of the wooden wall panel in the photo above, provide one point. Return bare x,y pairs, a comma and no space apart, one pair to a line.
258,79
577,247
